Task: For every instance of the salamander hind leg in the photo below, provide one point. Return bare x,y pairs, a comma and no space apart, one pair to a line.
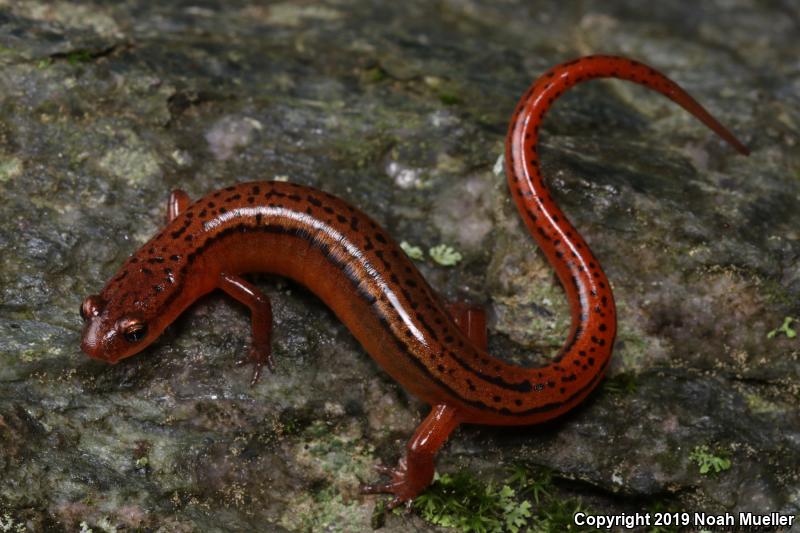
472,321
261,317
414,472
178,201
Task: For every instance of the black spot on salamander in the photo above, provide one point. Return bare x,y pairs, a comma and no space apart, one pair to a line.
188,238
211,205
440,368
223,210
590,361
602,327
328,209
256,189
203,213
178,232
411,283
582,353
354,223
518,402
251,199
562,390
294,197
449,338
496,399
551,384
393,278
341,219
313,201
259,216
309,211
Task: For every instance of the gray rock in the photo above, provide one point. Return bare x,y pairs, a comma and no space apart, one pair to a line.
401,109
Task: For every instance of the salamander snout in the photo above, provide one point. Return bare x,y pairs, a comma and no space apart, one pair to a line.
106,337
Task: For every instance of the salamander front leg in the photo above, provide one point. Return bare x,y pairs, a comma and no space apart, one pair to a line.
178,202
414,472
261,316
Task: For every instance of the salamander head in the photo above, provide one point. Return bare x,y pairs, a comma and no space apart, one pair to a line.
109,336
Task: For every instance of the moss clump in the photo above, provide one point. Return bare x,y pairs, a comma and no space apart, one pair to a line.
328,511
621,384
414,252
708,461
445,255
785,328
461,501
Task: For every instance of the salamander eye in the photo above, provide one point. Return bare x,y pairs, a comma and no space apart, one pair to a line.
82,313
134,331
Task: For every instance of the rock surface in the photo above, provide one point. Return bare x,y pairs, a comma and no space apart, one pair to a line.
401,109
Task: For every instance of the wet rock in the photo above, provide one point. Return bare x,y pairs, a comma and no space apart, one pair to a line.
401,109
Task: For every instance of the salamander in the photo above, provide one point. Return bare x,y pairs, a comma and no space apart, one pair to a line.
438,352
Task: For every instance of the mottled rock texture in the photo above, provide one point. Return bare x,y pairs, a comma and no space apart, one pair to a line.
401,108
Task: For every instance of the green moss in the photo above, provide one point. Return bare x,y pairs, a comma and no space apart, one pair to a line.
531,482
708,461
524,501
449,98
785,328
445,255
375,74
757,404
78,56
461,501
327,511
558,516
414,252
621,384
662,508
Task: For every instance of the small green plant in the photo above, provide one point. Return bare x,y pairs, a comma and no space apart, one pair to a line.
79,56
785,328
708,461
461,501
621,384
445,255
663,508
448,98
414,252
531,482
558,515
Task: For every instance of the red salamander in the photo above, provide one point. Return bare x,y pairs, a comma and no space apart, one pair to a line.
437,352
